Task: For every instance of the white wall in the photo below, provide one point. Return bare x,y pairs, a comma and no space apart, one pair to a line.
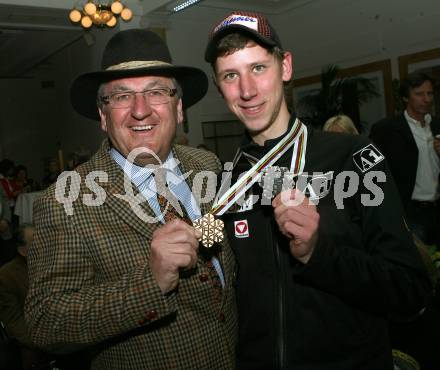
342,32
36,121
187,35
76,131
351,33
26,123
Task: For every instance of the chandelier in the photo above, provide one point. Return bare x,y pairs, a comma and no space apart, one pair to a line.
95,13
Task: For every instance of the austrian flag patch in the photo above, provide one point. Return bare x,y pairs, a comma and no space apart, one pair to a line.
241,229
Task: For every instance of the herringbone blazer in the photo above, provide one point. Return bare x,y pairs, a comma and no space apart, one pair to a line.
91,285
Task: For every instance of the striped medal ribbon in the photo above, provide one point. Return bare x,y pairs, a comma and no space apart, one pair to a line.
212,228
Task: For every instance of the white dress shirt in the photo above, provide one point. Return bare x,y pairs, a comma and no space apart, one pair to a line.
428,166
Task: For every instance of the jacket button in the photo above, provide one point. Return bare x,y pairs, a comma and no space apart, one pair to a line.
216,284
203,277
209,264
142,322
222,317
150,315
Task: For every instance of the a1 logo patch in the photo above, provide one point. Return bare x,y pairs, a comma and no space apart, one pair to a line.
367,157
241,229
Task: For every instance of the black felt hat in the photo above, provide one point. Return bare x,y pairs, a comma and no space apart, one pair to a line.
130,53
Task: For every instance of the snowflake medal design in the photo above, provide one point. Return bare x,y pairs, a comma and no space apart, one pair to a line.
211,229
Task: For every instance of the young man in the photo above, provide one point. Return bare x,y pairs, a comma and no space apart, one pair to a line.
411,144
106,272
324,264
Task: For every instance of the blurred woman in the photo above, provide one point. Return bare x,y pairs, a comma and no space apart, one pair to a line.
20,182
342,124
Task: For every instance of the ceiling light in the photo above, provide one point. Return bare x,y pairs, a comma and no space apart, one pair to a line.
75,15
185,5
90,8
117,7
86,22
126,14
100,15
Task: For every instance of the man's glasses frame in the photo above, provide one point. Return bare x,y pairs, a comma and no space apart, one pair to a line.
126,99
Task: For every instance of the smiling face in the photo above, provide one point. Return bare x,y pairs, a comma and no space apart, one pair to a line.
251,82
143,124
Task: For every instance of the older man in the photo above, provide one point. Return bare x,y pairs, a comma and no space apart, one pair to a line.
106,270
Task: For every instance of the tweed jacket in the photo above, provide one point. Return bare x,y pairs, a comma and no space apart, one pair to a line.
396,141
13,289
91,285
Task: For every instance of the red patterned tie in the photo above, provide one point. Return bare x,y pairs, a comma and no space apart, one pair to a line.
166,201
169,212
170,206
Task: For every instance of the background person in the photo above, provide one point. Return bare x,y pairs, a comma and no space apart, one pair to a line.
409,143
52,173
14,284
20,182
342,124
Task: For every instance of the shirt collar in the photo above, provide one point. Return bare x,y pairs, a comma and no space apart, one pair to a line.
249,146
413,121
138,174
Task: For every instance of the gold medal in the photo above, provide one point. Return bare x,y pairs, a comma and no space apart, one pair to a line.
211,229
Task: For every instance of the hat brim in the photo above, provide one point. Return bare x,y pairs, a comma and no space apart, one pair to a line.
84,89
210,53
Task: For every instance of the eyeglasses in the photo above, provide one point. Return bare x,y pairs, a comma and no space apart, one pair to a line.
126,99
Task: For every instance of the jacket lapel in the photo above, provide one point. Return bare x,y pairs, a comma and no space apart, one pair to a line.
188,164
123,197
402,129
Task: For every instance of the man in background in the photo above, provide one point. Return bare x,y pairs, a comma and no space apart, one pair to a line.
7,247
14,285
410,142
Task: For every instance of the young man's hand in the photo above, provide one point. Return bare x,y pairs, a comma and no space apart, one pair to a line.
298,219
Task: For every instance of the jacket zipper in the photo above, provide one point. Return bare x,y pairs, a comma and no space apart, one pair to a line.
281,352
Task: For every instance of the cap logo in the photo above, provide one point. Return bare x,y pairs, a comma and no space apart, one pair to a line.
249,22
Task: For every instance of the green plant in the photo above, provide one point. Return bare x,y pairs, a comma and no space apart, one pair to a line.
399,104
336,96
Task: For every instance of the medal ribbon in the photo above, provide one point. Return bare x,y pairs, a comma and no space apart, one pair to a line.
297,136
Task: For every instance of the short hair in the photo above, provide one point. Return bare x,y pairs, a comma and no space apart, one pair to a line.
101,88
412,81
233,42
342,121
